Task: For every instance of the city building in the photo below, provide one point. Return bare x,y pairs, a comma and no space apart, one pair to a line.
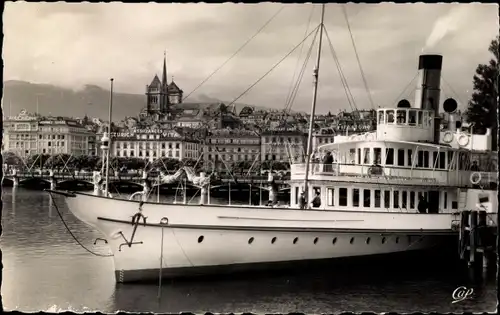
151,144
322,137
161,95
285,144
27,134
230,146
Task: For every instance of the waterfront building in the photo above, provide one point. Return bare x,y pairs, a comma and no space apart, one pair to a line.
27,134
151,144
285,143
231,146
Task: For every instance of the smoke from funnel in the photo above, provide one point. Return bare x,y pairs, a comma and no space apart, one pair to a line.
446,24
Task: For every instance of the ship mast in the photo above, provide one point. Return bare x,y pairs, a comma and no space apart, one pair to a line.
313,107
109,141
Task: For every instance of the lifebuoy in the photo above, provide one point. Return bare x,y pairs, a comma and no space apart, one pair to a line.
463,140
448,137
477,176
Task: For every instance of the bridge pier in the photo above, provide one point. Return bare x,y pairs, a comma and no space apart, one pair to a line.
52,180
146,186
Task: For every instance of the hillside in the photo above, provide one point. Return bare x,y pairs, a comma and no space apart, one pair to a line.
91,100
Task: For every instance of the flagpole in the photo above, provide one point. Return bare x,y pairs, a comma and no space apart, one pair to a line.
109,142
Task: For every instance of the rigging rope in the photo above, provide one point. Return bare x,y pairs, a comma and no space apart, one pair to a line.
71,233
357,57
347,90
234,54
273,67
298,59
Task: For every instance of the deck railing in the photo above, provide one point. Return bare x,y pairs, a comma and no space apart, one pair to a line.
339,171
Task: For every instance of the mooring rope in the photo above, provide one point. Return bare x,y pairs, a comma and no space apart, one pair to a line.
71,233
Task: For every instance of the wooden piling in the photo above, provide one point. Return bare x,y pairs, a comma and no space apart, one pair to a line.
473,238
464,232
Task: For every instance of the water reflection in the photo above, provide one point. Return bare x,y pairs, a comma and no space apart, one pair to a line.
44,269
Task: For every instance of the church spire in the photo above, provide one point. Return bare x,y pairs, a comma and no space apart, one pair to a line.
164,76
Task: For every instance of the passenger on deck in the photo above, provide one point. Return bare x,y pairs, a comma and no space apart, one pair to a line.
474,167
302,200
422,205
327,162
316,203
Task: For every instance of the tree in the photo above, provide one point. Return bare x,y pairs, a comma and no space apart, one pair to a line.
12,159
37,160
483,106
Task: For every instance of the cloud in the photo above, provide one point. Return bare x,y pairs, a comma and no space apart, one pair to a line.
76,44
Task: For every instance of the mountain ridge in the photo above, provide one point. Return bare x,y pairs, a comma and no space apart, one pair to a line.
91,100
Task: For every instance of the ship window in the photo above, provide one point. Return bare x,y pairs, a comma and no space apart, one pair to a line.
449,159
419,121
425,120
359,156
445,200
396,200
412,117
420,161
387,199
454,205
435,162
442,160
377,198
352,156
381,117
377,156
401,116
355,197
409,152
404,199
366,155
426,158
343,197
412,200
401,157
330,196
366,198
390,116
389,156
200,239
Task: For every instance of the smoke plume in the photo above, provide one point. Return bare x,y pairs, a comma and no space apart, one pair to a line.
446,24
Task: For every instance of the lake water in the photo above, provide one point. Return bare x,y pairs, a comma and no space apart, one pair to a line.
45,270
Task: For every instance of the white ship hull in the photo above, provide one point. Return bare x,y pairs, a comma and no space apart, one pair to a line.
206,239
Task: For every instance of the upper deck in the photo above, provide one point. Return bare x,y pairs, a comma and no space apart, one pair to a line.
401,163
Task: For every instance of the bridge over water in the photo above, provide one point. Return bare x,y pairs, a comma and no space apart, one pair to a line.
136,180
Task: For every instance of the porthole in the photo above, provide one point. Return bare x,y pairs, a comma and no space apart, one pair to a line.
334,240
367,240
250,240
315,240
295,240
397,239
273,240
200,239
383,240
352,240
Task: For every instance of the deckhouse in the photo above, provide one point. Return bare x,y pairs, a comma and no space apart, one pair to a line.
405,159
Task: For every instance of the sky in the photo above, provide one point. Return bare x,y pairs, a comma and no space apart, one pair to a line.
73,44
